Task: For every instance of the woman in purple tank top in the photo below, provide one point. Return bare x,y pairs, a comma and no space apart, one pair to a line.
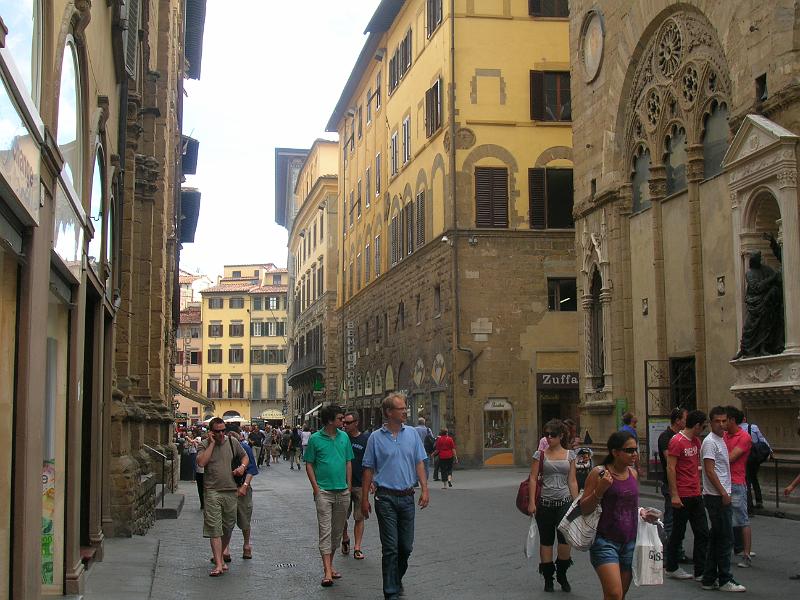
615,487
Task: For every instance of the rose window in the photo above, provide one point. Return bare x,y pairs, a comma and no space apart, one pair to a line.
669,50
690,84
653,107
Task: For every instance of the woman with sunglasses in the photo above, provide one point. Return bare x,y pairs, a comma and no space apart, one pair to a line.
559,486
614,486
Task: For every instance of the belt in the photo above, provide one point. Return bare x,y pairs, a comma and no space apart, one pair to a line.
391,492
555,503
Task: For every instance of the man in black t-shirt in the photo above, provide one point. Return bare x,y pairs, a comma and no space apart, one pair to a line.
677,421
358,440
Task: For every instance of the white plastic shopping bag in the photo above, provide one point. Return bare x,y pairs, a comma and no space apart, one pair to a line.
648,555
531,543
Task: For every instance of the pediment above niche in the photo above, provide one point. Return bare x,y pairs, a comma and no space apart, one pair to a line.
755,136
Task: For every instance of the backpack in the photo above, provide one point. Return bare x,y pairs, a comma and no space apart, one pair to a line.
759,452
429,442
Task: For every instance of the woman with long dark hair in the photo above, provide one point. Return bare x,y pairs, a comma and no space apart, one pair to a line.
614,486
559,486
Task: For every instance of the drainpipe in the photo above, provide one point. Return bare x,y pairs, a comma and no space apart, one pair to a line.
454,228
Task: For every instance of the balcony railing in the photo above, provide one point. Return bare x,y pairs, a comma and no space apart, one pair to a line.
306,363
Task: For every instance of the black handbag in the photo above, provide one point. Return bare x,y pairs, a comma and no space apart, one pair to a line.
235,464
760,450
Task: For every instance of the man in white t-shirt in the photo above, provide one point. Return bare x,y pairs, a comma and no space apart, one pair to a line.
717,499
305,435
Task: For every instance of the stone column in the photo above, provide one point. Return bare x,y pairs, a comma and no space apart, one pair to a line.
588,376
695,168
605,307
788,202
658,190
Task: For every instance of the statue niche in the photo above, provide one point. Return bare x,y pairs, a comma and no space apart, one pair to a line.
763,331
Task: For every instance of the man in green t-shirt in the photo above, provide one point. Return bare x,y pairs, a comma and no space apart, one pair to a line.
328,457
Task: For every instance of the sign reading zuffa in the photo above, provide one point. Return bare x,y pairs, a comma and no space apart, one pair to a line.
556,381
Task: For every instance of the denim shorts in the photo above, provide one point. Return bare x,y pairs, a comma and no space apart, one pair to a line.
739,505
605,551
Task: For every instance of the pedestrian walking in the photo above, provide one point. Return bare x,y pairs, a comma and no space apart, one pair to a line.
194,443
275,447
358,441
677,421
683,474
256,441
428,440
754,497
244,501
445,451
717,499
394,460
739,444
286,441
305,435
614,486
294,448
216,455
328,466
559,487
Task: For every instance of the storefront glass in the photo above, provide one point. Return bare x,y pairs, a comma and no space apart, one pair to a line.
497,429
96,214
69,121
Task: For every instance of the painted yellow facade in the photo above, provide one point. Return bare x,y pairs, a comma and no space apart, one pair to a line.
244,340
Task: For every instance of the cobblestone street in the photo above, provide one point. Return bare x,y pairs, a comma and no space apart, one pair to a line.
468,545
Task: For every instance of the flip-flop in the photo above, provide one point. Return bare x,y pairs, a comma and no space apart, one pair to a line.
346,546
225,557
336,575
358,555
216,573
247,554
326,582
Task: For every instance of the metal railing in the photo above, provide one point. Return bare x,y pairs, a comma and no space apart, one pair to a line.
776,462
163,471
309,361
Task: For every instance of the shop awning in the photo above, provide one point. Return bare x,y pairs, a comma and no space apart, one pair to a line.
189,393
314,410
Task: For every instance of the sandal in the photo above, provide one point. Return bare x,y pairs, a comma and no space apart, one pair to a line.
247,553
225,557
358,555
216,573
336,575
346,546
326,582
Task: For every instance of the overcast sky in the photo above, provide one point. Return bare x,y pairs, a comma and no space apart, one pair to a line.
271,75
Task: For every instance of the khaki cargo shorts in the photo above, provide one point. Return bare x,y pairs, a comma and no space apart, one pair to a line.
244,509
219,516
355,505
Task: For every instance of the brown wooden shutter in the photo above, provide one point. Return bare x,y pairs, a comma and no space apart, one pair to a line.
499,198
199,357
483,197
420,219
536,190
537,95
180,357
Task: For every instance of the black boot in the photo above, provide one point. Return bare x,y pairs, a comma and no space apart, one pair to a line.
547,570
561,573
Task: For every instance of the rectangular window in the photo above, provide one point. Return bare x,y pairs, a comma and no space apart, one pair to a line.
214,387
491,197
235,355
257,329
360,122
434,16
276,279
257,356
255,387
358,271
352,207
369,106
367,187
236,388
236,274
393,77
321,226
378,91
433,109
377,255
550,96
393,154
395,241
406,139
367,261
377,173
236,330
257,303
437,299
408,219
551,198
280,328
548,8
215,330
215,355
272,387
194,385
216,303
358,200
420,210
562,295
195,409
270,328
236,303
320,280
195,332
195,358
273,303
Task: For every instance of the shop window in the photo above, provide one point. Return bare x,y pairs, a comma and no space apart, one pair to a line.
9,272
70,121
715,140
675,160
641,180
562,295
551,198
496,429
97,202
24,41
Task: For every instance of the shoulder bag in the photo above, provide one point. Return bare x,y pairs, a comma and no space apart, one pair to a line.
524,491
235,463
760,450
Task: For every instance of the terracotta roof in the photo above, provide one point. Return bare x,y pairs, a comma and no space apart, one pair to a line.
190,315
267,289
187,279
228,288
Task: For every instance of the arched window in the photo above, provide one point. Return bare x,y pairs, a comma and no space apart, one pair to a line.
69,116
97,202
110,241
24,41
715,139
641,180
596,334
675,160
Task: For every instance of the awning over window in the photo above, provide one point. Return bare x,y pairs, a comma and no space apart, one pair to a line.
189,393
314,410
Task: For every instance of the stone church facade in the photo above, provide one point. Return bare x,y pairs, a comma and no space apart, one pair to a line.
685,122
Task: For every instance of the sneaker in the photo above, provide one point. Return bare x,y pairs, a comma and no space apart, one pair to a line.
732,586
741,554
698,578
678,574
746,563
712,586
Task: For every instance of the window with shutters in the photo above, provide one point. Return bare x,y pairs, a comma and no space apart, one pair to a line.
550,96
562,295
258,328
257,356
272,387
394,234
406,140
420,216
358,200
195,358
377,173
551,198
271,331
367,261
433,109
236,303
393,153
368,104
408,221
216,303
377,255
359,116
491,197
236,330
255,387
367,187
235,355
215,355
215,330
257,303
273,303
236,388
434,15
377,91
131,38
548,8
214,387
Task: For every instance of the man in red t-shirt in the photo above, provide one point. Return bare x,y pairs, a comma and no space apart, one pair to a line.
683,474
739,444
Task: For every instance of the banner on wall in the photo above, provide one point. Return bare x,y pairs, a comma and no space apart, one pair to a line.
48,514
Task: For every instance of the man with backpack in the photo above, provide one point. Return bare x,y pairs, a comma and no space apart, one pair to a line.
760,452
428,442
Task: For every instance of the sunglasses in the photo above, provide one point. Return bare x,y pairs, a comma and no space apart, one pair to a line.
552,434
217,431
347,422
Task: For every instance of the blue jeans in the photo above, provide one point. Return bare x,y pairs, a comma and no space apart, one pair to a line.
396,525
720,541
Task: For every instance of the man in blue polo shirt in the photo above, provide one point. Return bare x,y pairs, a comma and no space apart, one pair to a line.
394,461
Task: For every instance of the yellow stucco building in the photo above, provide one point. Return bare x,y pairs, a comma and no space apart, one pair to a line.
244,341
456,279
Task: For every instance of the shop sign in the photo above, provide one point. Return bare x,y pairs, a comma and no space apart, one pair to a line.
497,404
20,159
557,381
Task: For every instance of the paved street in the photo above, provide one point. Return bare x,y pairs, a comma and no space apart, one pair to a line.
468,545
